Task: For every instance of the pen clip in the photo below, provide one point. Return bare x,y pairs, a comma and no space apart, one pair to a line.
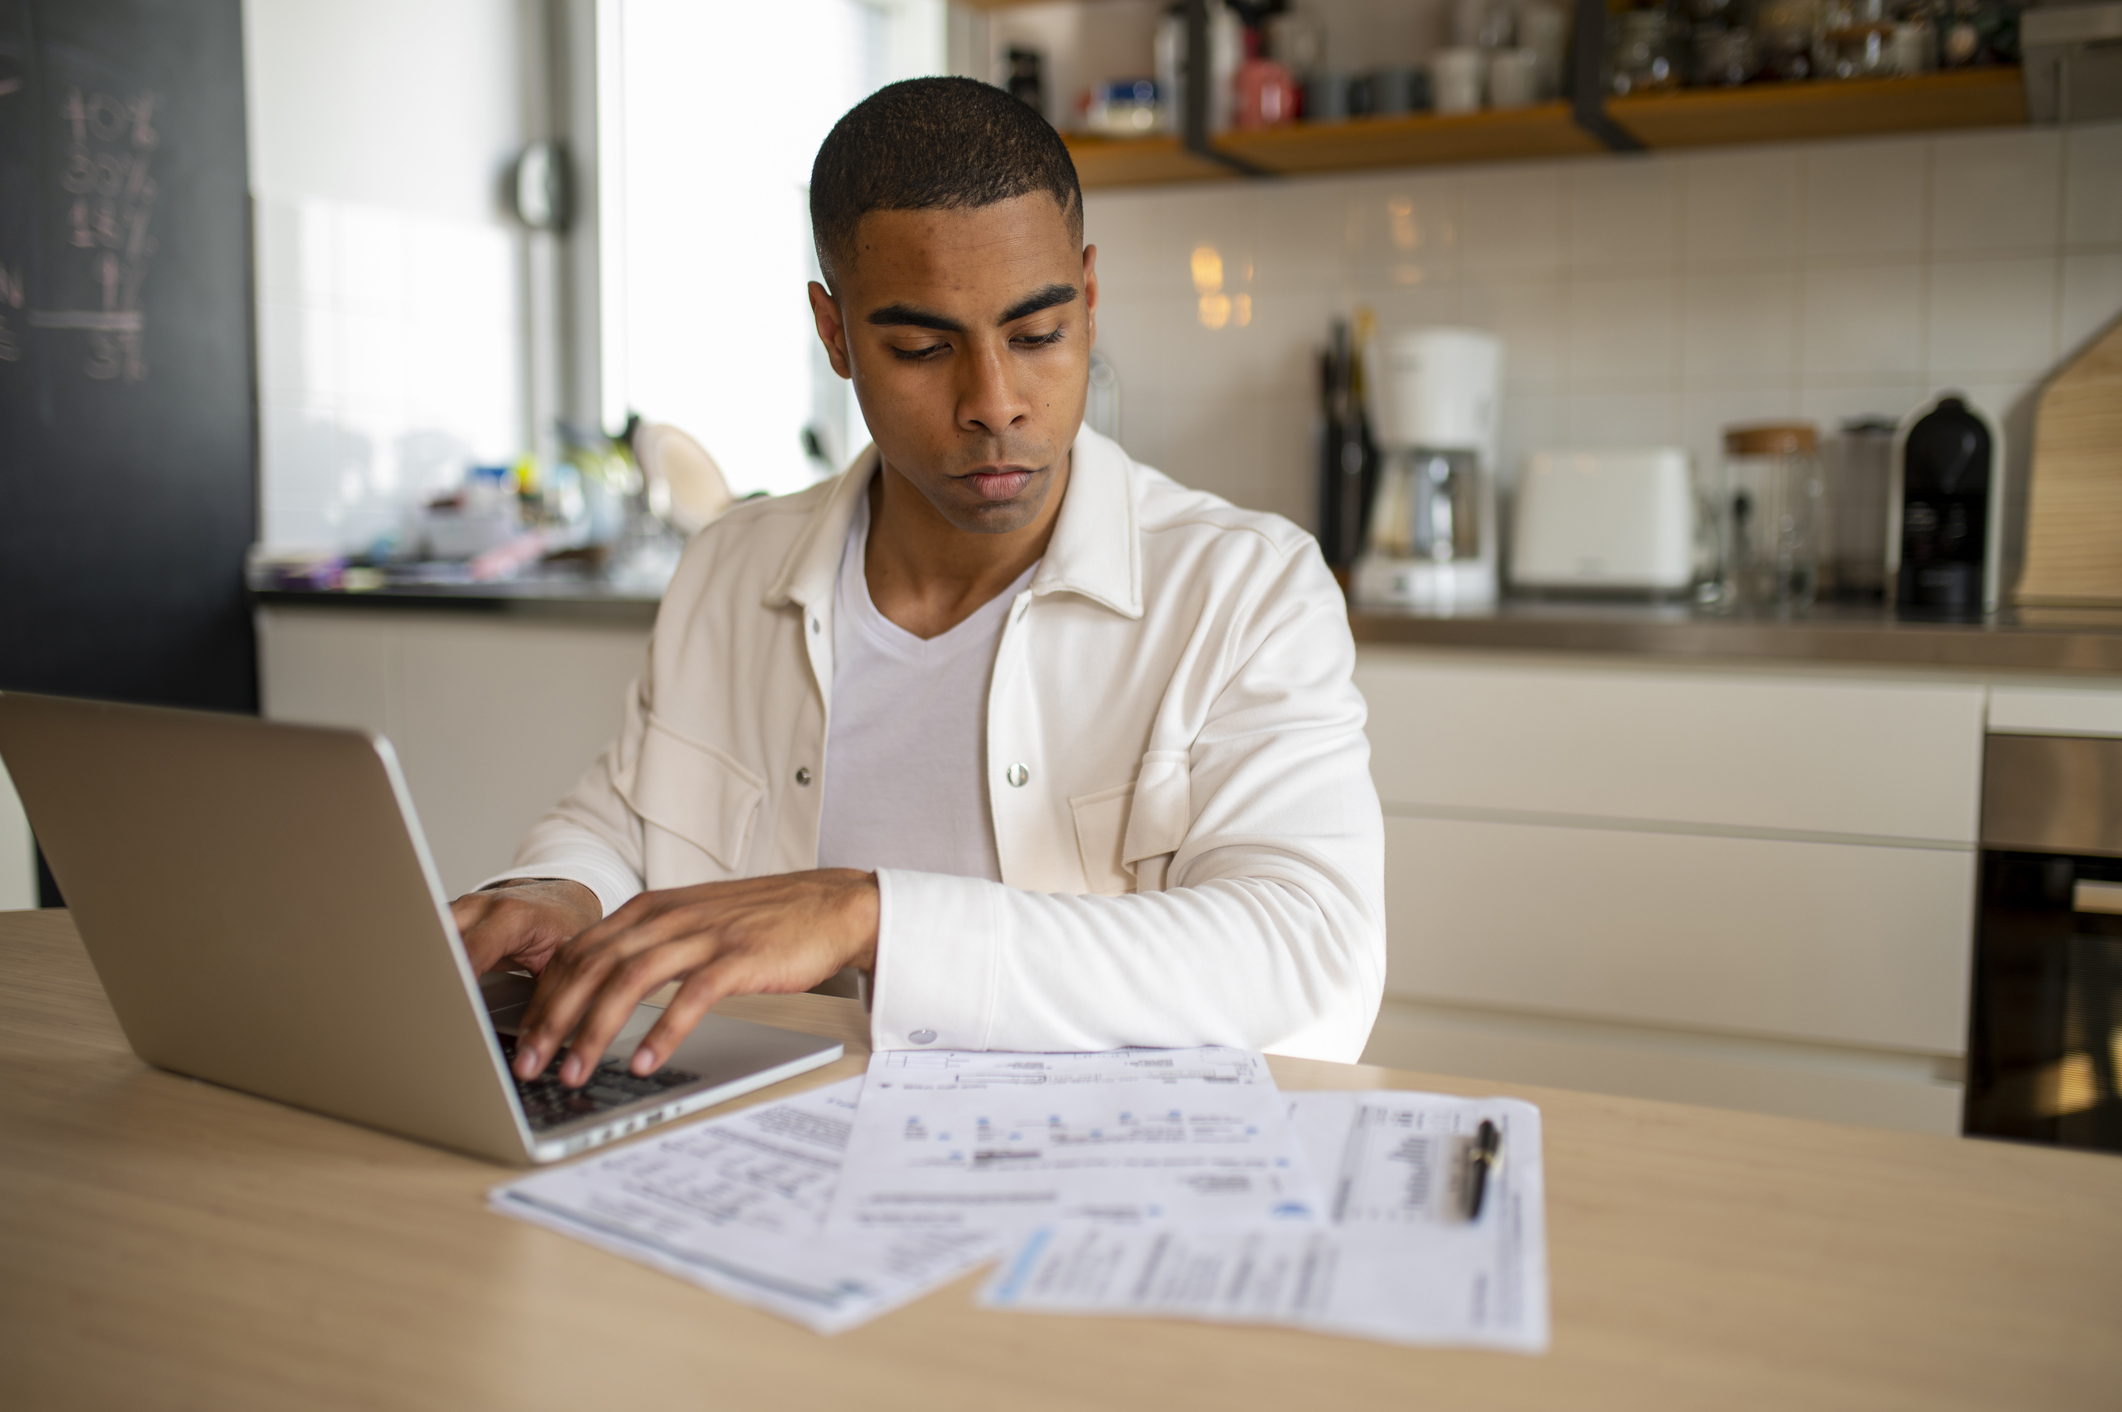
1481,1154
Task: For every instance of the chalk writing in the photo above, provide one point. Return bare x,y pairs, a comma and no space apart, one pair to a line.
105,169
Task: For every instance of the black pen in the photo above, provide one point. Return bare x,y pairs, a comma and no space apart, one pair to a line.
1479,1158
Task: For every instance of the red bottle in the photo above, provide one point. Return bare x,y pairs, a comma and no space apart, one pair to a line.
1267,93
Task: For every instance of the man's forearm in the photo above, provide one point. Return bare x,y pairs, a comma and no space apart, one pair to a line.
1292,964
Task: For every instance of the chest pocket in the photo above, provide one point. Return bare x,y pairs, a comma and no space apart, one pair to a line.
1127,834
697,793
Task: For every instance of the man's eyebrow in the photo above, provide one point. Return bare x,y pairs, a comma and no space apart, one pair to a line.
892,314
906,315
1031,304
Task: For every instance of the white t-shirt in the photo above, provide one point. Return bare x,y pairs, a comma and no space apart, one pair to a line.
906,750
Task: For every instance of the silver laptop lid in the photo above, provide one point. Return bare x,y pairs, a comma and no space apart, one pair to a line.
262,912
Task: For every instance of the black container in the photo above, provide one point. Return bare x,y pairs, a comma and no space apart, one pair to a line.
1944,513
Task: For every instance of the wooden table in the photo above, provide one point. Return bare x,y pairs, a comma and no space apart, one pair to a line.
166,1243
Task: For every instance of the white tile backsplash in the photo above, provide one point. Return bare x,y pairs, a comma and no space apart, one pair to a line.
1998,191
1829,406
1599,421
1624,213
2092,197
1863,321
1623,330
1641,300
1739,328
1866,199
1993,317
2091,300
1512,220
1742,207
1531,317
1298,244
1402,231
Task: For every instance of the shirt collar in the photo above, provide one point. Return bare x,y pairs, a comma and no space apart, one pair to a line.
1096,550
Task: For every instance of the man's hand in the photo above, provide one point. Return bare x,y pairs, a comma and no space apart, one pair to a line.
524,920
772,935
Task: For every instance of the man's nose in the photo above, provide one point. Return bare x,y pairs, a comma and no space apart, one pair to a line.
990,399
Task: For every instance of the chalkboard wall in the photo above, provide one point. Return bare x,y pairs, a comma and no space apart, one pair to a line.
128,488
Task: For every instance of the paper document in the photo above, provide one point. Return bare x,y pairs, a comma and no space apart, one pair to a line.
736,1205
1398,1260
958,1140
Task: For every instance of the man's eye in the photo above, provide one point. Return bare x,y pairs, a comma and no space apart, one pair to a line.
915,355
1041,340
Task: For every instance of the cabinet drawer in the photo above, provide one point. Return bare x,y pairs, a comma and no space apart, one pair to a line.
2022,710
1838,943
1878,759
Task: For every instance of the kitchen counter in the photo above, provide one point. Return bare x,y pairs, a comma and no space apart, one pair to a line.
2044,641
573,597
2047,641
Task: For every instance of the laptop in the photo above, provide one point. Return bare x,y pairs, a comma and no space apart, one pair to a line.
261,908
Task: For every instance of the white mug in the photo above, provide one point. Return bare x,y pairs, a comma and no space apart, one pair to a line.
1513,78
1455,80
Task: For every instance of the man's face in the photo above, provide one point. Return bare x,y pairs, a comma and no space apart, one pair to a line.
968,336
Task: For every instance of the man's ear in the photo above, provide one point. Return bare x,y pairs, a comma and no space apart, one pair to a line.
1090,290
832,332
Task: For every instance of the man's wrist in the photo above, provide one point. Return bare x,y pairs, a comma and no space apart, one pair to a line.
864,910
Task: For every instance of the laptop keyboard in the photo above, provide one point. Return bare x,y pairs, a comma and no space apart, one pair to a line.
548,1103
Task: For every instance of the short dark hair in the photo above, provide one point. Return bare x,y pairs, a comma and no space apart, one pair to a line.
934,144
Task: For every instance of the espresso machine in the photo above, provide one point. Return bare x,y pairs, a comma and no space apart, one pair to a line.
1431,543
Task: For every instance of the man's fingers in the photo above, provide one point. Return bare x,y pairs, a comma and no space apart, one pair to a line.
572,983
706,988
625,987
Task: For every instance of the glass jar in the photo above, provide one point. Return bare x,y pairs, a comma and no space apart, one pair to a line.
1640,57
1783,38
1762,508
1856,39
1724,58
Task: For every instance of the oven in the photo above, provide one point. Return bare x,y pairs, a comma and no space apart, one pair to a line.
2044,1043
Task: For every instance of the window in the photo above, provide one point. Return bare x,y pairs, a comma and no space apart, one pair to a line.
720,110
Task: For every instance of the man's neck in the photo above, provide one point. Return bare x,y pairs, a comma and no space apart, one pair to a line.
925,574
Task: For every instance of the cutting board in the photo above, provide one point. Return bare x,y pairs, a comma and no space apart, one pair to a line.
2074,498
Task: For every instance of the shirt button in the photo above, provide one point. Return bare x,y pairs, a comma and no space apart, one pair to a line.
923,1036
802,774
1018,773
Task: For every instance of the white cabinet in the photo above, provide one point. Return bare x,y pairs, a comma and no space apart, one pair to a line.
1754,751
2054,710
493,717
1828,943
1752,887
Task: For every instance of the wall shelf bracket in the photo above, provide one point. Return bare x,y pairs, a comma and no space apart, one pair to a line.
1587,79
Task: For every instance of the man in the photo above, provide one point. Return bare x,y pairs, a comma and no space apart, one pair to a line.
1055,753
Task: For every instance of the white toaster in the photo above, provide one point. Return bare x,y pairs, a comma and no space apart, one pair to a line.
1604,520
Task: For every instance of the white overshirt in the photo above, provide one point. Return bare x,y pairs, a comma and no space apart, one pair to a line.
905,776
1190,844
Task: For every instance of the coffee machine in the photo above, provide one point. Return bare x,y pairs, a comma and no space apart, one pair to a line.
1433,395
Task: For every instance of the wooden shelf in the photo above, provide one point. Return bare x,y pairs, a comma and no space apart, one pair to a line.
1799,112
1141,161
1795,112
1421,139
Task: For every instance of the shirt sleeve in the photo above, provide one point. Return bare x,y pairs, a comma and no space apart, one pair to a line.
1269,931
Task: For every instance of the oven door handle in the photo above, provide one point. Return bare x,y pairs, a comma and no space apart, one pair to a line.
2089,896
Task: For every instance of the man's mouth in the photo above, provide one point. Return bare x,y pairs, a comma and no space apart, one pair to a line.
1001,483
